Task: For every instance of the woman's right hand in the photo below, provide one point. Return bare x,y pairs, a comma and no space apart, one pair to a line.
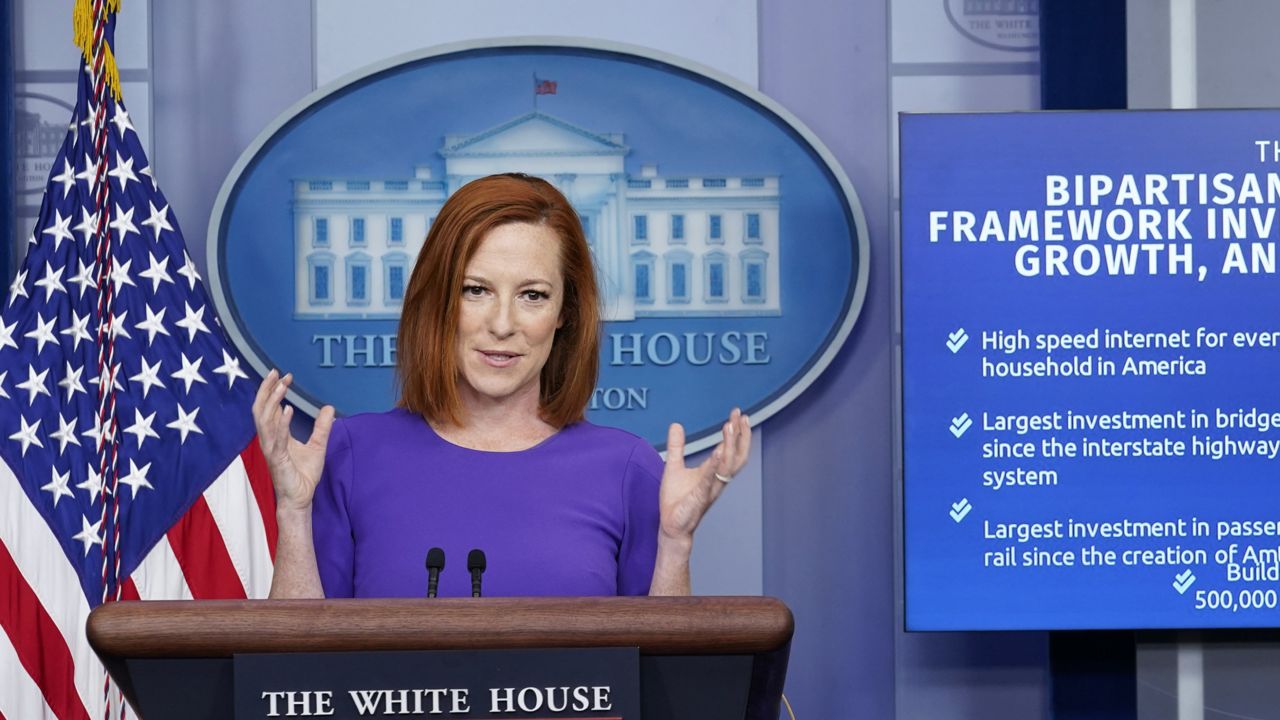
295,466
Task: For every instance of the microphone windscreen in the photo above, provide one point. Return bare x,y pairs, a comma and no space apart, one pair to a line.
475,560
435,558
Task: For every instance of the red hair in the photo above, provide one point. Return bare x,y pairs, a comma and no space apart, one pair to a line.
426,361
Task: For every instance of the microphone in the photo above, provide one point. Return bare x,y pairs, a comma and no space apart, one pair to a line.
435,563
476,564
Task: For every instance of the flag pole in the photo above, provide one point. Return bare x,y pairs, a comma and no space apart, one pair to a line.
93,178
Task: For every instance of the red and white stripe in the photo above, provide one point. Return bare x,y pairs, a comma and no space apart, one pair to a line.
221,548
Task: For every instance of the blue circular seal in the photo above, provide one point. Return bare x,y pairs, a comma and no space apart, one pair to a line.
730,247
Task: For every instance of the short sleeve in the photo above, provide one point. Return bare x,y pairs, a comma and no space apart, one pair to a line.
639,548
330,521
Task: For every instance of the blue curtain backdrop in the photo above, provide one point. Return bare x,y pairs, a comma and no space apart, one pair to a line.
1083,67
1082,55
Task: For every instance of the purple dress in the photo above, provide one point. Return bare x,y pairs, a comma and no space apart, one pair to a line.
576,514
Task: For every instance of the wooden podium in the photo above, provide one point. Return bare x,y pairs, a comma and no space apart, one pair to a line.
703,658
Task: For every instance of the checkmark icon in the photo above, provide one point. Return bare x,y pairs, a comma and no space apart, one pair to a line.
961,424
960,509
1184,580
956,340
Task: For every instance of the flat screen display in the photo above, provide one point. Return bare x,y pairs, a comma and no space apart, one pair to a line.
1091,370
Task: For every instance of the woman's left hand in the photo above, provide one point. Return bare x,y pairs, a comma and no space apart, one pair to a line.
687,493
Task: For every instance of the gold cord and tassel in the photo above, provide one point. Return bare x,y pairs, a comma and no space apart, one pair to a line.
82,23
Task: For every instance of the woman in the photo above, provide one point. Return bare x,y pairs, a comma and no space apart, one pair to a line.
488,448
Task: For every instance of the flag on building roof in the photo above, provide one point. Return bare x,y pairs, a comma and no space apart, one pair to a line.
128,463
543,87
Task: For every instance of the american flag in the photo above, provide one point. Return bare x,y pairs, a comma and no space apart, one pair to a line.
543,87
128,463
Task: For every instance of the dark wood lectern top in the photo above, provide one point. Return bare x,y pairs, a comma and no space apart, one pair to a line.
219,628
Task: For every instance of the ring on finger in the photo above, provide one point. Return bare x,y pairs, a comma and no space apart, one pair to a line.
723,478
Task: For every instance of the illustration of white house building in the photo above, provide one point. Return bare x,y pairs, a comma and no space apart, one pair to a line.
689,246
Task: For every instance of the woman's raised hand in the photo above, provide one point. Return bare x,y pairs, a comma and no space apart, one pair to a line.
295,466
687,493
